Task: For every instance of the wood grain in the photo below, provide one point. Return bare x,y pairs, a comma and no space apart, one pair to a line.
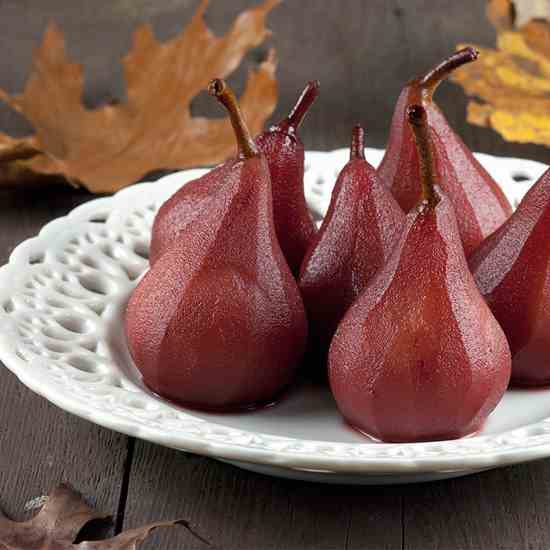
41,445
504,509
237,510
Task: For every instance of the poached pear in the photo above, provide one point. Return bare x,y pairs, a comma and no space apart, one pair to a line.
218,323
480,205
511,270
419,355
284,152
356,238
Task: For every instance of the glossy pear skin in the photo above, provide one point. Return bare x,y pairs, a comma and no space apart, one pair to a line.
218,322
356,238
284,152
480,205
511,269
419,356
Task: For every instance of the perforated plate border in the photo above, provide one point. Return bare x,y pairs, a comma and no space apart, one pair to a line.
59,290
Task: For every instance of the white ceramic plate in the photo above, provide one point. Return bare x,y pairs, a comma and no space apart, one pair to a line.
62,299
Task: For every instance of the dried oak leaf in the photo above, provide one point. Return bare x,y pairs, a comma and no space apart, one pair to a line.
60,520
112,146
15,157
512,83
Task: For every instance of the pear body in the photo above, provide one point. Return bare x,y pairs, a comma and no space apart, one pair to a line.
480,205
218,322
356,238
419,356
294,226
512,271
183,207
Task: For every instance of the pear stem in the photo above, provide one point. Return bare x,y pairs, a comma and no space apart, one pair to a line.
357,149
418,121
225,95
431,80
305,101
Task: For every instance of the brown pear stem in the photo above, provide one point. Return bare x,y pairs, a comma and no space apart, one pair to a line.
431,80
418,121
357,149
225,95
305,101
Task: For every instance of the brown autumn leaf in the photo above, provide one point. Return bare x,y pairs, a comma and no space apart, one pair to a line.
60,520
16,155
114,145
511,84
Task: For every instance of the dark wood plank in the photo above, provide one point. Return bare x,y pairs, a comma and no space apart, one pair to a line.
238,510
362,52
41,445
505,509
26,209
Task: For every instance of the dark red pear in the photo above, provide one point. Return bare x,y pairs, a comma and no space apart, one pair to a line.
185,206
284,152
218,322
356,238
419,355
480,205
511,269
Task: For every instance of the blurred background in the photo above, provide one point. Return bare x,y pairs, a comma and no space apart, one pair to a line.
362,51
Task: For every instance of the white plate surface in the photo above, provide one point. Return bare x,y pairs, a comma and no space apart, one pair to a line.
62,298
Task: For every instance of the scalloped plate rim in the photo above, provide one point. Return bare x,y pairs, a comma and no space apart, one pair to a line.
528,448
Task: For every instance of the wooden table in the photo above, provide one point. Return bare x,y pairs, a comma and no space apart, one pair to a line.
40,445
